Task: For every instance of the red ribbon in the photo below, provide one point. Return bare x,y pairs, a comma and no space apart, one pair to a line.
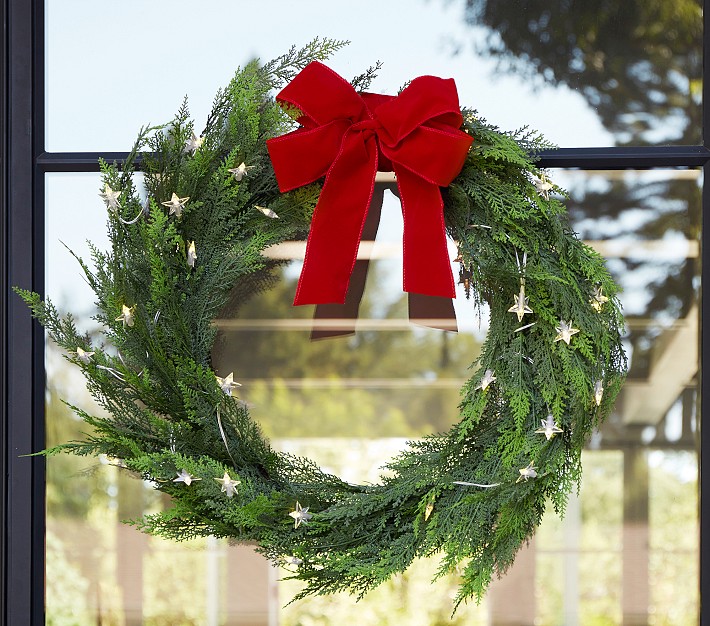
348,136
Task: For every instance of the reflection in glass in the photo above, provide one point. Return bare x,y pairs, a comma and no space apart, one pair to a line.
637,62
631,536
626,551
99,570
638,507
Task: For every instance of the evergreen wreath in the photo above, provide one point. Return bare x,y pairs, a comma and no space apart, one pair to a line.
548,373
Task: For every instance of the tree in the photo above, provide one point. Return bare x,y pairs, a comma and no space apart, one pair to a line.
637,62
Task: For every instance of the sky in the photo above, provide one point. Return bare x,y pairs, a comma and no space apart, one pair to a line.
113,67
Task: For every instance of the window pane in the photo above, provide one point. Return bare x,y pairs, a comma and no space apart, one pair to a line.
631,536
584,77
628,548
626,551
99,570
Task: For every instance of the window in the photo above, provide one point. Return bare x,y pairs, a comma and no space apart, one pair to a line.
622,94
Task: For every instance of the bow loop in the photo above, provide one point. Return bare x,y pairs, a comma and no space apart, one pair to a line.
322,96
426,101
416,133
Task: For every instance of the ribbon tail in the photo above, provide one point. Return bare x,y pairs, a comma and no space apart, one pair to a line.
431,311
427,268
345,315
337,224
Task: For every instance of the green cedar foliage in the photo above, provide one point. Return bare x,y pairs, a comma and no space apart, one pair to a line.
167,412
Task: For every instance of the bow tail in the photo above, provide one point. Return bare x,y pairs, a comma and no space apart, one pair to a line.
340,319
427,268
337,224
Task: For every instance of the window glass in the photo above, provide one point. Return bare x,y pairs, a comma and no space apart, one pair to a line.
627,550
637,63
628,74
632,536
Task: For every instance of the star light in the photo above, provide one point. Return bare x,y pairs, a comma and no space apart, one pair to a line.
191,254
300,515
176,204
598,299
194,143
83,355
520,306
183,476
127,315
110,197
565,331
227,383
229,486
241,171
548,427
598,392
488,378
543,187
527,472
266,211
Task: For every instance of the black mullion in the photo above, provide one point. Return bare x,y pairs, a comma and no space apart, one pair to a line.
78,161
705,104
39,478
643,157
4,67
23,480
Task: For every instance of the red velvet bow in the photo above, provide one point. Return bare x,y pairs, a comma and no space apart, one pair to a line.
347,136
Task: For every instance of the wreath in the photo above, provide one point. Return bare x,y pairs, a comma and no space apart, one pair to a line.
547,375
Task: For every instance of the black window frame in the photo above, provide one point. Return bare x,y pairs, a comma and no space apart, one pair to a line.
23,165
